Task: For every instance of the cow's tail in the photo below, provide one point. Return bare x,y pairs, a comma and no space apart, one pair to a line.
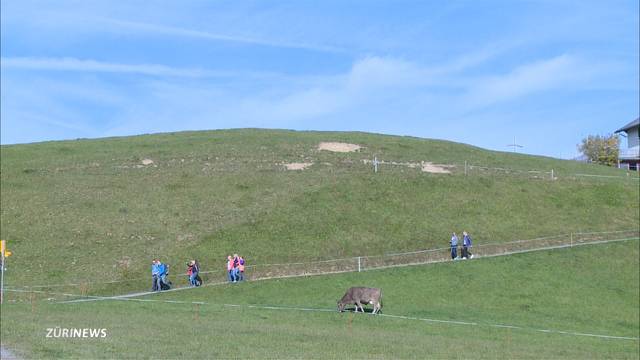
380,302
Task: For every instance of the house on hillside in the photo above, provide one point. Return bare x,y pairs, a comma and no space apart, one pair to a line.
629,158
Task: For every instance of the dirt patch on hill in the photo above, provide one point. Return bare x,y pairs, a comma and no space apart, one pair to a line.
436,168
338,147
297,166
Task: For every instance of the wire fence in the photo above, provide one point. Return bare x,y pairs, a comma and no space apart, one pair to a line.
364,263
549,174
350,264
469,169
232,164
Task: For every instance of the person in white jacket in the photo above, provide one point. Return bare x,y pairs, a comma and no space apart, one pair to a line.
454,246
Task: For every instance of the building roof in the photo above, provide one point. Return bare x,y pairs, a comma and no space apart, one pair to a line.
630,125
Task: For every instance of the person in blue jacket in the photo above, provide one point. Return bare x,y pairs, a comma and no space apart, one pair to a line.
154,274
466,246
163,271
454,246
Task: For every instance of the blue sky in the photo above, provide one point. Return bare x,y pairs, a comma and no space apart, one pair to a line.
547,72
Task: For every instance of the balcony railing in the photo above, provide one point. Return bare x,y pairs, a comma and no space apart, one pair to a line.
629,153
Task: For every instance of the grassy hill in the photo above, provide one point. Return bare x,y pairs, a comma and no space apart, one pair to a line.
91,210
520,306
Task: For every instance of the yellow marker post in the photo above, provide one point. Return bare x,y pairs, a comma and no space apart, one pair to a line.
3,251
3,245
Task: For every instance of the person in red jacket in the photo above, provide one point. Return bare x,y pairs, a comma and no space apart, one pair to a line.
189,271
192,272
230,273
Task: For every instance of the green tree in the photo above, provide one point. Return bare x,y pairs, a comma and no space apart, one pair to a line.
600,149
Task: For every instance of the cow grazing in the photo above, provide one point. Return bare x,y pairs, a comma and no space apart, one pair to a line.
360,296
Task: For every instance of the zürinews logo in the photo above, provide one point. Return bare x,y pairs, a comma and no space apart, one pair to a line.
59,332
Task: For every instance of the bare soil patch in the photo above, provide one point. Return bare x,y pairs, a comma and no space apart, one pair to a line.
338,147
436,168
298,166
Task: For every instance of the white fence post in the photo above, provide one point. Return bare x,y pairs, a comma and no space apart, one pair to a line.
571,240
358,263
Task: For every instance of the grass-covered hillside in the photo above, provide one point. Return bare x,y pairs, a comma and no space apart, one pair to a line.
100,210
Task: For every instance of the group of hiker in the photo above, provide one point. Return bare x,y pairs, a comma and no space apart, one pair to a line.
236,265
159,273
235,268
466,246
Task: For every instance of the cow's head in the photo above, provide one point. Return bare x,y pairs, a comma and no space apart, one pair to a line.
341,306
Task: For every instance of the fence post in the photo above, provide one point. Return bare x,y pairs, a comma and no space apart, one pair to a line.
358,263
552,177
32,298
571,240
196,312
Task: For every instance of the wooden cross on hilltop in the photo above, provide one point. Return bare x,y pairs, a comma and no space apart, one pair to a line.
515,145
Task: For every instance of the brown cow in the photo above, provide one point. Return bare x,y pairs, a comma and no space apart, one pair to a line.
360,296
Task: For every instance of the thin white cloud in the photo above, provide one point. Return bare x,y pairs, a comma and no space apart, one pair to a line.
556,72
390,83
377,71
99,17
88,65
73,64
283,105
198,34
370,80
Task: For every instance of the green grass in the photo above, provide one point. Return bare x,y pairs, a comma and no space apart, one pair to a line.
590,289
84,211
